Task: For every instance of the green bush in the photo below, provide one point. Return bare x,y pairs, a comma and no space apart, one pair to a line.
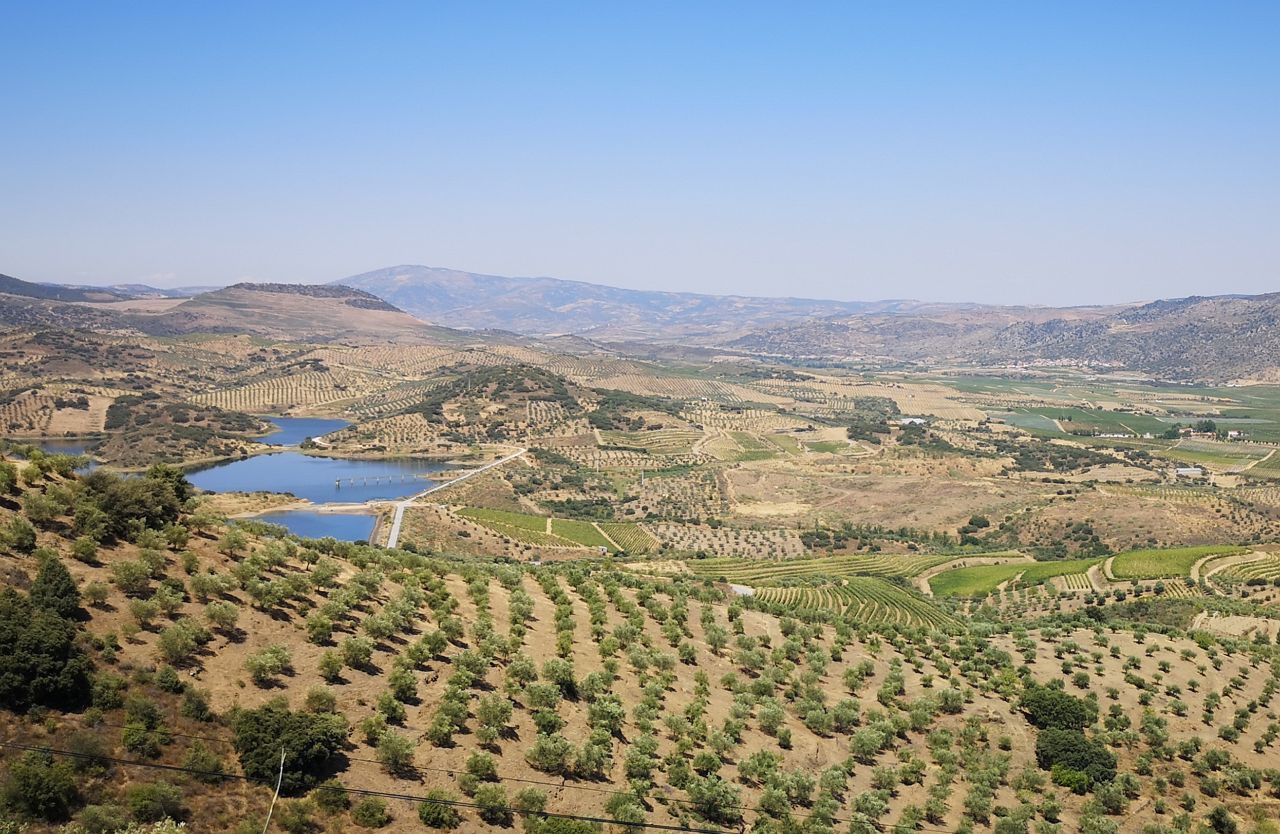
308,739
330,796
370,812
54,590
1072,750
1046,707
40,788
435,814
42,663
154,801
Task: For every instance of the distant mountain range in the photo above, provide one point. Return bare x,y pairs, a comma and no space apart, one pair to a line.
1214,338
550,306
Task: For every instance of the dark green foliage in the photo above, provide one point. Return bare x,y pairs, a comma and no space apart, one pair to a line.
154,801
54,590
1072,750
40,788
40,663
151,502
308,739
1047,707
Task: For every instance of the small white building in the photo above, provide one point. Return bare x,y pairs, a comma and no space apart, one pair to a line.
1189,472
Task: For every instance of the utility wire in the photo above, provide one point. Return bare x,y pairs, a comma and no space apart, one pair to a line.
456,803
561,785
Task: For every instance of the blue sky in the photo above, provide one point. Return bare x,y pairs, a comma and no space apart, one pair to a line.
1004,152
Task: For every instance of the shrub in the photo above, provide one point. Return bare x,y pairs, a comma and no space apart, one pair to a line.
331,797
204,760
550,754
434,813
154,801
40,788
492,802
395,752
222,615
357,652
370,812
266,665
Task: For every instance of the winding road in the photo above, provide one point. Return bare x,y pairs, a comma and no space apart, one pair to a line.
393,538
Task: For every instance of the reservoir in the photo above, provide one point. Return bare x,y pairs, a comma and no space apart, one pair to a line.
313,478
315,525
290,431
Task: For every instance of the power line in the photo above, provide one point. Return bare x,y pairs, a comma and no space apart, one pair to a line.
561,785
456,803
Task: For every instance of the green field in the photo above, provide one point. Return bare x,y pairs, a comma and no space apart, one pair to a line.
863,598
829,447
1170,563
981,580
582,532
563,532
524,521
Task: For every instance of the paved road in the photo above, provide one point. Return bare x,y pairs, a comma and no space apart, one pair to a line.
393,538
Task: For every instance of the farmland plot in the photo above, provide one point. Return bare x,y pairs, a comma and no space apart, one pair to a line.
772,572
1165,564
866,599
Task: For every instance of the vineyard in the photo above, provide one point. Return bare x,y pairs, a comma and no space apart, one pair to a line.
981,580
560,532
1165,564
632,538
1267,568
865,599
759,572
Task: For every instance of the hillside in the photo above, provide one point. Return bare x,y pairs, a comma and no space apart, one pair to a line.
57,292
540,306
159,660
293,311
1199,338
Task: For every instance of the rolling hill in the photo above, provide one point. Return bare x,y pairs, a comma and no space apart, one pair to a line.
1217,338
546,306
295,311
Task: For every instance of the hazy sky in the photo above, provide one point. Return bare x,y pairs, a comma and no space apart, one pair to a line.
1023,152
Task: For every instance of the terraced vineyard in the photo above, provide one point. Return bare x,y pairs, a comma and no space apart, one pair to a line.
867,599
660,442
981,580
1265,568
632,538
559,532
1165,564
756,572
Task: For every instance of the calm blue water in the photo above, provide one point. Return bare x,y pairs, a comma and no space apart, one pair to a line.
66,447
312,478
290,431
313,525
